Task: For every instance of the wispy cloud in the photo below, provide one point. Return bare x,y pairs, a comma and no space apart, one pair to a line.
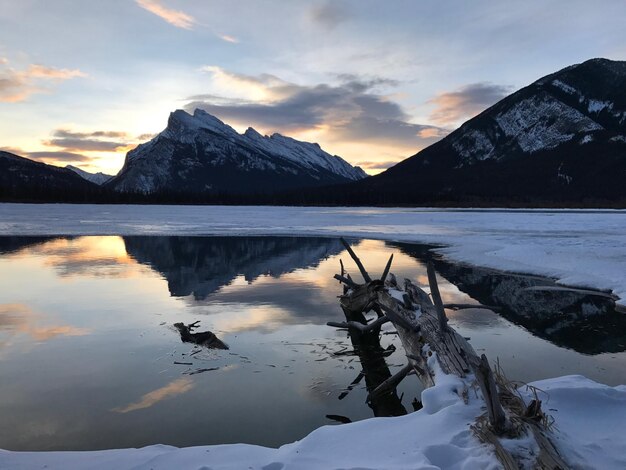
368,165
174,388
174,17
19,85
453,107
228,38
93,141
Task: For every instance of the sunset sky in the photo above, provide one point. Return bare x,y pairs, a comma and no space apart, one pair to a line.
84,81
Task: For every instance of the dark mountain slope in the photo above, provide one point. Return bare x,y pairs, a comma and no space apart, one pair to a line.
563,138
24,179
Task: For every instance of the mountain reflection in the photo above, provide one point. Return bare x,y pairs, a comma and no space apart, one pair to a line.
200,266
581,320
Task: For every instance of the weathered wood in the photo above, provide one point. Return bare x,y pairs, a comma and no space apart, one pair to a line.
464,306
503,455
387,268
349,282
373,326
487,384
434,292
422,327
356,259
391,383
362,298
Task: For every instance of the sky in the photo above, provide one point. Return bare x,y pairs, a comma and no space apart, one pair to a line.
84,81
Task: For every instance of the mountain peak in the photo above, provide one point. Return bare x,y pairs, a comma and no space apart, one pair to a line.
198,153
180,120
252,133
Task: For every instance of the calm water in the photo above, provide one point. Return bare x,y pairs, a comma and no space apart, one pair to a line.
89,358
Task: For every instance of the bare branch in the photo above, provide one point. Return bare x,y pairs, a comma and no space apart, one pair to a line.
387,268
434,290
391,383
360,326
356,259
346,281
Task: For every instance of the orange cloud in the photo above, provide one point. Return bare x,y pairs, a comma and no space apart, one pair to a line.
41,71
175,388
453,107
174,17
19,85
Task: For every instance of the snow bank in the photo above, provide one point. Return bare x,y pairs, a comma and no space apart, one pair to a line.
577,247
590,420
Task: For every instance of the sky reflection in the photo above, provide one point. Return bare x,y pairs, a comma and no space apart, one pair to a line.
90,360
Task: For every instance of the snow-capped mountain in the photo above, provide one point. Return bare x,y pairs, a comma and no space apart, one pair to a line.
198,153
96,178
561,138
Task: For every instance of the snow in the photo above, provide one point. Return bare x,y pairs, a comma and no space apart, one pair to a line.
589,420
595,106
543,122
565,87
183,127
97,178
582,247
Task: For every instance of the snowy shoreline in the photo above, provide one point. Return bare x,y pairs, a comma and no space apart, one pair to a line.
584,248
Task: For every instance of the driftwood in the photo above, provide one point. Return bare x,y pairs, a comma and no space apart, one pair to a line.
423,329
201,338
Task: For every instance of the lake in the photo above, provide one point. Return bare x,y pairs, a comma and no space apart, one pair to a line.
90,359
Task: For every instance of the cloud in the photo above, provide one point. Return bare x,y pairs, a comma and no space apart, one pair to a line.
67,157
19,85
173,389
174,17
93,141
377,165
466,102
228,38
329,14
67,134
87,145
353,110
41,71
50,157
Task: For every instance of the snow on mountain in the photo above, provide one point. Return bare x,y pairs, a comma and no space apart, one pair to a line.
97,178
198,152
571,122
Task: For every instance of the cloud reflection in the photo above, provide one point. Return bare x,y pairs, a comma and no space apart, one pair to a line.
172,389
17,318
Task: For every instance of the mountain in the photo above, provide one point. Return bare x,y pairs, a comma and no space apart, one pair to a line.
199,153
562,138
96,178
24,179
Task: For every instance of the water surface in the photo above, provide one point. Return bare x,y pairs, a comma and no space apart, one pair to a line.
89,358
